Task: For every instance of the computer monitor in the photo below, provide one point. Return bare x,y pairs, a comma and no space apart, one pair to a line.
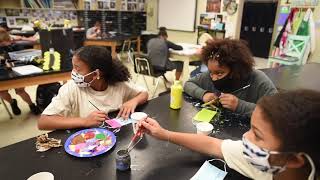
62,41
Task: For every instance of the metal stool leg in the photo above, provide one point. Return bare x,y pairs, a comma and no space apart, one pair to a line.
7,109
145,81
156,87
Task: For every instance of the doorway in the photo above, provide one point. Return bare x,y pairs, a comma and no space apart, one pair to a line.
257,26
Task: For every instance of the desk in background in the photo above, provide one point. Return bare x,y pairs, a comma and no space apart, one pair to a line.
187,55
113,42
11,80
295,77
151,158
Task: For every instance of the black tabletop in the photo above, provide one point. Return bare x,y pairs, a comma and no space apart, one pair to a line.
151,159
6,74
295,77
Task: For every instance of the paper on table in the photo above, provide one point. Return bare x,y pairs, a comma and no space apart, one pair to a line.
205,115
118,122
27,69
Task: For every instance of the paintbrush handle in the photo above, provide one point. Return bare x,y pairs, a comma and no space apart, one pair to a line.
245,87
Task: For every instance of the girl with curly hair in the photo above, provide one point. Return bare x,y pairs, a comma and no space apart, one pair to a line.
230,67
100,85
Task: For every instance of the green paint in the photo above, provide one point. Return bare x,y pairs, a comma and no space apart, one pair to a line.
100,136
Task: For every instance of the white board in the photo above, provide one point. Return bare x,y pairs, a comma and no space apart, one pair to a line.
177,14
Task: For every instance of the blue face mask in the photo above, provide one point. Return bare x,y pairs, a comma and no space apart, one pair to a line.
208,172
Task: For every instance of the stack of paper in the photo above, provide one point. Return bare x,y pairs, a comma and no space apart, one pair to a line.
27,69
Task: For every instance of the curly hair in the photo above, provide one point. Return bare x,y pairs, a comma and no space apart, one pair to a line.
96,57
295,118
234,54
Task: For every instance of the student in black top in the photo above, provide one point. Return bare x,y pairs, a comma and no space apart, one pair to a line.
158,52
5,47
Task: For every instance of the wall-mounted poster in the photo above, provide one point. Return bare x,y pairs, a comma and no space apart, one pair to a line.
213,6
133,5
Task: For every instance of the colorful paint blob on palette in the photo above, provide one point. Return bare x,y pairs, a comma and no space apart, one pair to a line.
90,143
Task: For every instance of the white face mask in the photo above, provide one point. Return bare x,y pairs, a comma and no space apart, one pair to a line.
259,158
79,79
208,172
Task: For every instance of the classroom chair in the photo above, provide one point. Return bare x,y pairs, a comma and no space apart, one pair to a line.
126,46
295,53
6,107
142,67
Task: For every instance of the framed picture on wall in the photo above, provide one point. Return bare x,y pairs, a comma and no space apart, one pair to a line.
213,6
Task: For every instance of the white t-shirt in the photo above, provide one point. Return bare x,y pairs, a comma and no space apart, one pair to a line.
73,101
232,154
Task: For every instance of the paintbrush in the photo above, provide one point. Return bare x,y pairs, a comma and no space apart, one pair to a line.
94,105
243,88
102,125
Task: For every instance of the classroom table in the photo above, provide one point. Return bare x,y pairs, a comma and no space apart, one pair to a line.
10,79
187,55
113,42
294,77
151,158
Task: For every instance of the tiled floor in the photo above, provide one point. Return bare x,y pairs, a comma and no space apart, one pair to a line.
25,126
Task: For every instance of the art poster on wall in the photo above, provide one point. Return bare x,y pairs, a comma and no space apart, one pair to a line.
213,6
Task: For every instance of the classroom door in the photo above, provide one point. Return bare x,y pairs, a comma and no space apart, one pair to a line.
257,26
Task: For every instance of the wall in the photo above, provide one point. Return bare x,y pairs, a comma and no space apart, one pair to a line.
191,37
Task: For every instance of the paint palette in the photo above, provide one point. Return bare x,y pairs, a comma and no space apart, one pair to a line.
90,142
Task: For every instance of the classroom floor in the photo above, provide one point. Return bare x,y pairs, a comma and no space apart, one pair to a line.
24,126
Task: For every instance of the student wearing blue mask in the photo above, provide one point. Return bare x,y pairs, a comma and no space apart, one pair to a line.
230,67
281,144
99,85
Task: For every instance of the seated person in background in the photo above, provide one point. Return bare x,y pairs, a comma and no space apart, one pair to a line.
95,31
99,80
230,66
158,52
281,144
5,47
15,38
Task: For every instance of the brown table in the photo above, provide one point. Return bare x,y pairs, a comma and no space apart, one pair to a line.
295,77
113,42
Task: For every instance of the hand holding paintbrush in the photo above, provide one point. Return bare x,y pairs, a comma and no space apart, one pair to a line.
226,100
137,135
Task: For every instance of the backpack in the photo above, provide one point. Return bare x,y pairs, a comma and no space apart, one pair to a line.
45,93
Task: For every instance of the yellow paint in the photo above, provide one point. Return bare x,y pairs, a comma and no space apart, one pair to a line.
176,95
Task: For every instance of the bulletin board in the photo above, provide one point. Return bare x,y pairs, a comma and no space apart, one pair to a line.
177,14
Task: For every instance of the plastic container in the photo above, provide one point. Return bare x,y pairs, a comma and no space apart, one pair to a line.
176,95
123,160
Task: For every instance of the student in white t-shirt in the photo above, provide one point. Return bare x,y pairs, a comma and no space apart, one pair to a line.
283,142
99,81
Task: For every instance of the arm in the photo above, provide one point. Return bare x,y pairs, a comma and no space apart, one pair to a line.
49,122
174,46
193,86
200,143
245,107
91,33
92,36
265,87
133,97
62,112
